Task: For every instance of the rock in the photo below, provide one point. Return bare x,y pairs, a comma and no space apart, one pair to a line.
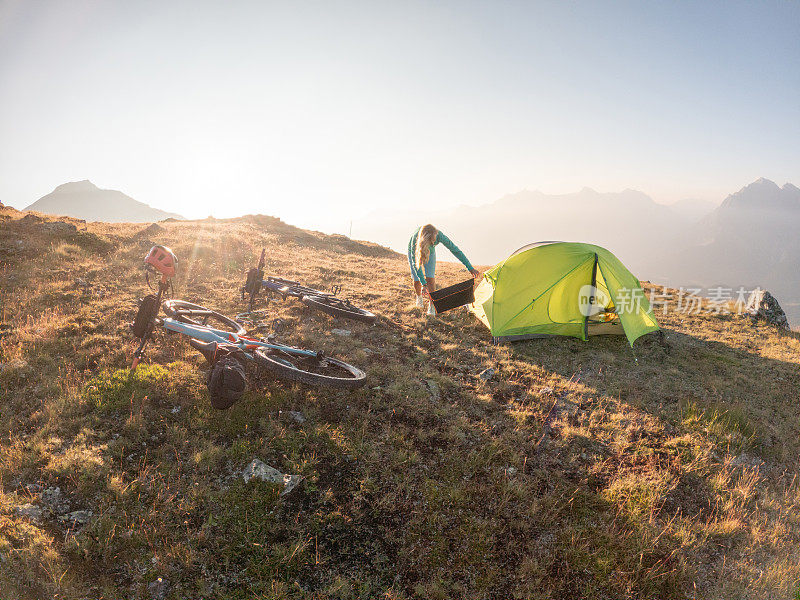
763,305
158,589
51,495
54,501
175,410
260,470
745,460
33,488
77,518
546,391
290,482
81,283
30,511
15,364
59,227
433,388
297,417
487,374
341,332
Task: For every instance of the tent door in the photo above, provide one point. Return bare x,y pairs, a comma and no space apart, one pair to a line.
594,284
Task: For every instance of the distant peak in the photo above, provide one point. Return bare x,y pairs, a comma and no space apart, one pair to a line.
763,182
631,193
588,190
788,187
764,194
76,186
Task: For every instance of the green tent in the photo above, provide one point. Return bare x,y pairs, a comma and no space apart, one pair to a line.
562,288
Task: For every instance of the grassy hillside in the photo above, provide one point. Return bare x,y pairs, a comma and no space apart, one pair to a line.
577,472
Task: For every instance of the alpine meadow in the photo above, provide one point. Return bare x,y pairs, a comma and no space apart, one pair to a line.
552,468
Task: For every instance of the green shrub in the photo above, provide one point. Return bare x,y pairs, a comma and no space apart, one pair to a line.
118,388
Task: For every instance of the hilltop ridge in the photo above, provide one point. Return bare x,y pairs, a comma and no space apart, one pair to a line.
551,468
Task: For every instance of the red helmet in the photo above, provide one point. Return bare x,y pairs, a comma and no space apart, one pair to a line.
162,260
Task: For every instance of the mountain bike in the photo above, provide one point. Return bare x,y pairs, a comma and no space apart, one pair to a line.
327,302
209,331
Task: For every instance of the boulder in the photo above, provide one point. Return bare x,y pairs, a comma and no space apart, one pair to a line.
763,305
260,470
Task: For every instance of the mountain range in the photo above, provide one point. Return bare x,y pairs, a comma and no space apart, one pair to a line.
749,240
84,200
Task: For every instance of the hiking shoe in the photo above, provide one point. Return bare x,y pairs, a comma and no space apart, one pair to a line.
420,302
431,310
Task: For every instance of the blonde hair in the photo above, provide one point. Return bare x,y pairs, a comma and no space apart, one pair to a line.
425,240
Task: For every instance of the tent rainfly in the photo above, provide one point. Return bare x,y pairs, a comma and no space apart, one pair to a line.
562,288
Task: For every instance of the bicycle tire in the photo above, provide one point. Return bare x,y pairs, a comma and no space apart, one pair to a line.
339,308
287,365
187,312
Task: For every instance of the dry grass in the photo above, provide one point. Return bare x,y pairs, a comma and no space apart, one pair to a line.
578,472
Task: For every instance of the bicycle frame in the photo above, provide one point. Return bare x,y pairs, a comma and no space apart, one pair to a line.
256,282
287,290
209,334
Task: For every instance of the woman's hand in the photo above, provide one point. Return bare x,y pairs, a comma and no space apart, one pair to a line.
475,273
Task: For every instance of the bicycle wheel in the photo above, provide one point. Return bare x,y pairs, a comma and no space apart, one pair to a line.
194,314
339,308
290,288
320,370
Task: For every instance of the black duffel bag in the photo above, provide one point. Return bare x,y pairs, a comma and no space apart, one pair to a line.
148,310
227,380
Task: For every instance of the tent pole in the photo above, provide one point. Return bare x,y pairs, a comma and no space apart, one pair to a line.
594,283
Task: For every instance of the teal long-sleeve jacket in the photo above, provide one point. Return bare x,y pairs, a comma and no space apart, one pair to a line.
440,238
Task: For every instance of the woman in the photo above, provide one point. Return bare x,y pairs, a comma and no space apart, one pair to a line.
422,260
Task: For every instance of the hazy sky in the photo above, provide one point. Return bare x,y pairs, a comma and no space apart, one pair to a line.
318,112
